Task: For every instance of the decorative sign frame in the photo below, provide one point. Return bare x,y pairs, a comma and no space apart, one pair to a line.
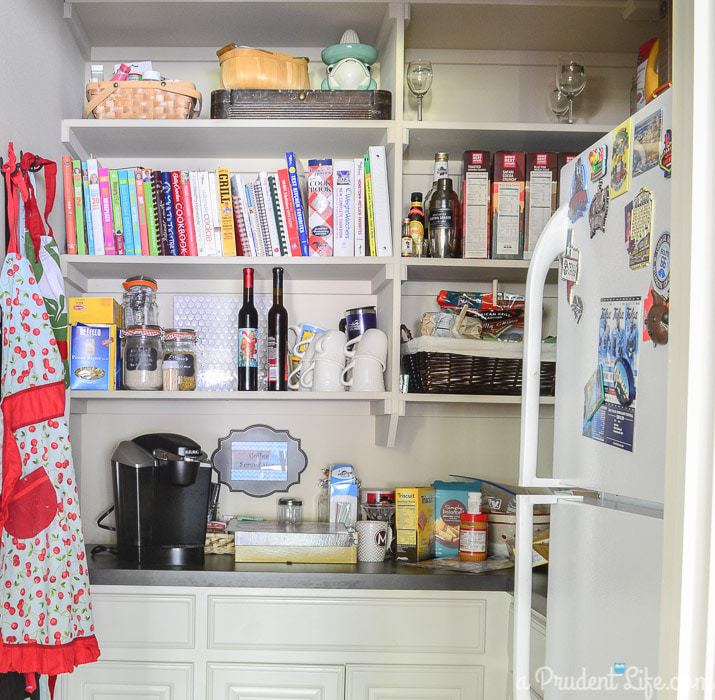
259,460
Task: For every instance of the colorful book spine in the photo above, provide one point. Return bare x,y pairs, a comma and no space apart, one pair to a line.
372,250
359,206
250,210
126,213
169,216
279,215
262,218
270,216
68,191
117,225
289,212
177,197
228,233
188,212
158,189
243,242
380,200
87,209
320,206
134,208
198,213
79,207
215,241
141,210
105,197
150,206
211,242
296,191
95,204
344,207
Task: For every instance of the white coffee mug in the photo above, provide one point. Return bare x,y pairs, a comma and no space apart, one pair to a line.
331,345
365,374
294,378
303,335
323,375
374,539
372,342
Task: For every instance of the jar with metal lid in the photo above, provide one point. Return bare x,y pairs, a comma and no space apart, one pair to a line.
143,358
180,346
139,302
290,511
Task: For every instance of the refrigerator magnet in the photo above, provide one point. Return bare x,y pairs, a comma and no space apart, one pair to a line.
577,307
598,162
620,159
624,382
599,210
656,311
661,264
593,394
638,230
578,203
665,154
646,143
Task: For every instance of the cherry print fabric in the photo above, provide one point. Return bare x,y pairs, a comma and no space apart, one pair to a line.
45,611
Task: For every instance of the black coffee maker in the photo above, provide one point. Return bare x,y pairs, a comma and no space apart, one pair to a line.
162,483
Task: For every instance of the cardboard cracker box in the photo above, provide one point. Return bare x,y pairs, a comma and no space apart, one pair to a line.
94,310
507,205
414,516
450,502
475,204
542,178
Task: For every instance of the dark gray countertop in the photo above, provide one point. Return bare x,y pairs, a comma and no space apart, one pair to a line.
221,570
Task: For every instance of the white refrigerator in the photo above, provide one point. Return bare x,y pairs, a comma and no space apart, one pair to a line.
611,237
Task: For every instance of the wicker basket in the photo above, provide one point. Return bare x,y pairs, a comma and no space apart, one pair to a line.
472,367
142,99
243,67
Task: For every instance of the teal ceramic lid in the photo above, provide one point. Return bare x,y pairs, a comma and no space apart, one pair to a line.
337,52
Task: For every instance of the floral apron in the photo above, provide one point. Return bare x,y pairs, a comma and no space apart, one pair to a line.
45,615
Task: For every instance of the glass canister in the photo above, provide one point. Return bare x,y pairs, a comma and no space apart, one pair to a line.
143,358
180,346
379,504
290,511
139,302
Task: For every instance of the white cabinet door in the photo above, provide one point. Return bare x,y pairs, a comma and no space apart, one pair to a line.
415,683
120,680
279,682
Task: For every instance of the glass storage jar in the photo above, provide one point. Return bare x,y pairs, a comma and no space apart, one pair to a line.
139,302
290,511
180,345
143,358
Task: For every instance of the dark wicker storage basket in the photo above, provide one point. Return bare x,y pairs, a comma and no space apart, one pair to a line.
453,373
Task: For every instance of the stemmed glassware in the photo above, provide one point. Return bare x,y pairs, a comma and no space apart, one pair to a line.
558,103
570,80
419,80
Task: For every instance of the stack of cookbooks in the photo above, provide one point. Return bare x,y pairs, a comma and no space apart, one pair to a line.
340,207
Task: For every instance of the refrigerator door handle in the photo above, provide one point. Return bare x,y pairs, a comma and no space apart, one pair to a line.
521,649
551,243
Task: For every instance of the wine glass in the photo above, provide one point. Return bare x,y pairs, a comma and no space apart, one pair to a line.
419,80
570,78
558,103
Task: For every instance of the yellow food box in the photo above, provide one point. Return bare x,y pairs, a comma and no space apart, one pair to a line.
414,515
94,310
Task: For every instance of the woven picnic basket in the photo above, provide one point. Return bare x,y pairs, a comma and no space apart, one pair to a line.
142,99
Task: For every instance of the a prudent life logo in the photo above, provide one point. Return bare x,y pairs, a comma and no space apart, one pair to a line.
636,680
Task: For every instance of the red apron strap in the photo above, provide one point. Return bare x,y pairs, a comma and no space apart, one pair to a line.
15,182
34,163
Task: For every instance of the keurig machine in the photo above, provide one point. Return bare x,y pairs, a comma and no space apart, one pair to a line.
162,483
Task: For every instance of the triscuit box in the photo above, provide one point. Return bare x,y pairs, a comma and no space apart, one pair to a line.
94,357
450,502
94,310
414,516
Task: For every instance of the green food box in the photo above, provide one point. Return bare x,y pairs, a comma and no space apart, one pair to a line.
450,503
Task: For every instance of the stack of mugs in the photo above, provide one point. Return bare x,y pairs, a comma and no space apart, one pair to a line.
331,362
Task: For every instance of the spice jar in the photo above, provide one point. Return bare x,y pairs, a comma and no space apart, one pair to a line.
180,346
473,530
170,373
143,358
139,302
290,511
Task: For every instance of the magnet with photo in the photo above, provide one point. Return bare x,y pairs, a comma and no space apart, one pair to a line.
599,210
598,162
578,203
621,159
666,153
646,143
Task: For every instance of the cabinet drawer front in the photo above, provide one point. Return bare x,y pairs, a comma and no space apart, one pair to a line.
119,680
415,683
407,624
268,682
141,621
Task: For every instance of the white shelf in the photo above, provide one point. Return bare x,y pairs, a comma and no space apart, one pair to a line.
460,270
221,138
424,139
469,398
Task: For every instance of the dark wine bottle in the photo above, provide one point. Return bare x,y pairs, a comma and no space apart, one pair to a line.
248,337
277,337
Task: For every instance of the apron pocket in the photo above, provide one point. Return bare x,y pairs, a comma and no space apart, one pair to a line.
33,505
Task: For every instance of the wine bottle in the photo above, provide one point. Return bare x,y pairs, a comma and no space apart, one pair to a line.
248,337
277,337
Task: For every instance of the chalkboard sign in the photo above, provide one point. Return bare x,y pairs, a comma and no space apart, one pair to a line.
259,460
